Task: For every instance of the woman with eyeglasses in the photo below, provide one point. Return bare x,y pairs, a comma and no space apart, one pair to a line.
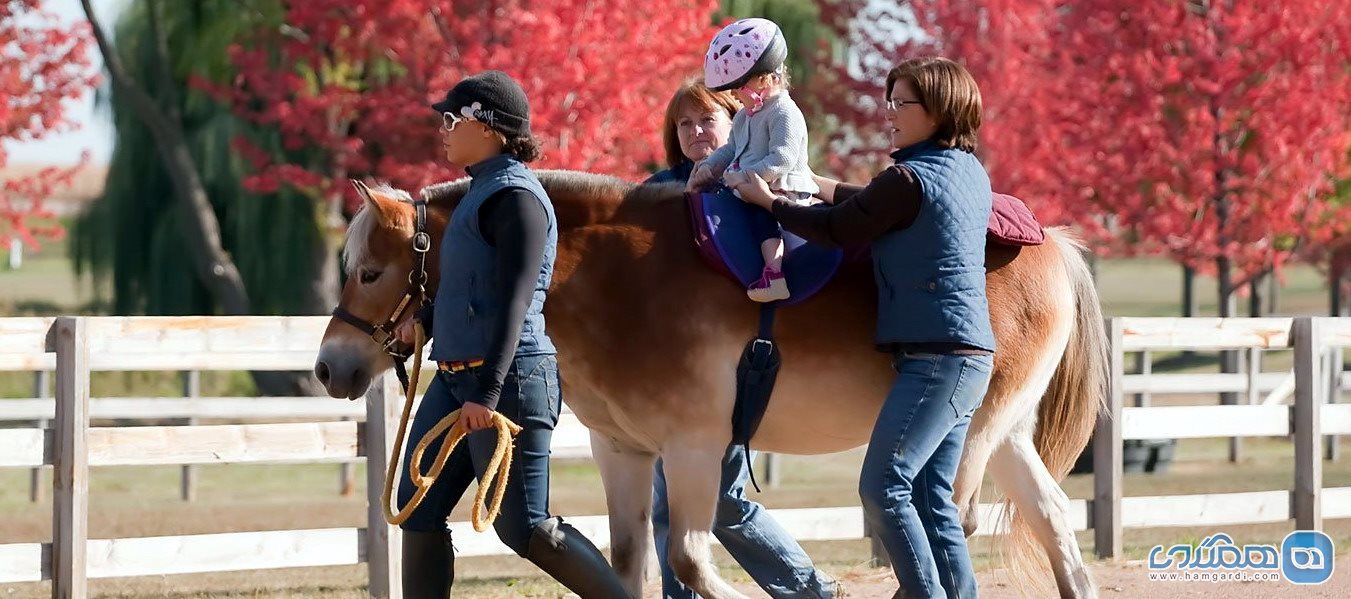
491,348
925,218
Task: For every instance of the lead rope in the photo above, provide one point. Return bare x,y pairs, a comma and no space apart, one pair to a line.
498,465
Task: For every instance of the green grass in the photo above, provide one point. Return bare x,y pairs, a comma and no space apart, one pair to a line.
46,284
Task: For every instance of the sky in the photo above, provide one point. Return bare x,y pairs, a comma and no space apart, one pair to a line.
95,133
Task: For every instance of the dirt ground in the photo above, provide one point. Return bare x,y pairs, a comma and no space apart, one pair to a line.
1126,580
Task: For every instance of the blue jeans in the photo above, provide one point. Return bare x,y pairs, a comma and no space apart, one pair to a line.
906,483
763,548
531,397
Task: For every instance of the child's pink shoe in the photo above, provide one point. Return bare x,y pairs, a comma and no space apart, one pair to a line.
771,287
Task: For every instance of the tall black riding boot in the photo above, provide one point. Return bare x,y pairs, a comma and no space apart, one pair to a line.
567,555
428,565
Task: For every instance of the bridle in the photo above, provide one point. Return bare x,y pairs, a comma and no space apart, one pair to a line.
414,294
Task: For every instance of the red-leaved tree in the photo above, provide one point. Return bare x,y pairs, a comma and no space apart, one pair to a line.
42,66
1212,129
1004,43
349,90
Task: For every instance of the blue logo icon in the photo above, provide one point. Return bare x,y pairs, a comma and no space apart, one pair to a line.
1307,557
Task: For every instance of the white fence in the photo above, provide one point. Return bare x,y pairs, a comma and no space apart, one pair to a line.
1314,340
74,347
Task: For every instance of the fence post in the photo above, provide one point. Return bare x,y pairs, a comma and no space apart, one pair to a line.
347,472
880,558
70,463
383,542
192,389
1146,368
772,470
42,389
1107,454
1336,357
1309,386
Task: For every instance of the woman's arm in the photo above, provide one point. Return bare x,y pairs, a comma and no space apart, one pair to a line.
890,202
515,222
827,185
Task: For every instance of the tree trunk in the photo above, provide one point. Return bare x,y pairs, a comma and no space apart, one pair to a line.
213,265
1228,307
1189,299
1337,300
201,230
1259,302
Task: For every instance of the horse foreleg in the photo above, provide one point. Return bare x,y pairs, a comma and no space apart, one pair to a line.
692,479
627,475
1042,505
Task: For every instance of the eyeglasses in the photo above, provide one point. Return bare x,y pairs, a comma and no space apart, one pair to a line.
449,121
895,105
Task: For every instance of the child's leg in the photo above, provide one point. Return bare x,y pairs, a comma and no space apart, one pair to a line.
772,251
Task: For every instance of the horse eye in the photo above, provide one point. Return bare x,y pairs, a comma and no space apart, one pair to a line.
369,276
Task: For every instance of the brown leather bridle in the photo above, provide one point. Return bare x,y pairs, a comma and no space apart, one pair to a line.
414,295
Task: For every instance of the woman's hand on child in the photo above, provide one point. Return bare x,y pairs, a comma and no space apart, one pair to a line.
751,186
702,176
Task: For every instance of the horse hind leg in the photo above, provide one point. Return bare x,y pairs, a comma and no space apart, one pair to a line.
627,476
692,479
1042,507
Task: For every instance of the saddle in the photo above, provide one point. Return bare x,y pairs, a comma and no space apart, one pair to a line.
725,240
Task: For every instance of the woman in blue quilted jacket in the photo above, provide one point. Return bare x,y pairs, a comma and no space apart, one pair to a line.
925,218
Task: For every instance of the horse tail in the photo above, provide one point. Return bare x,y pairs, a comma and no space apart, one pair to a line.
1078,389
1065,418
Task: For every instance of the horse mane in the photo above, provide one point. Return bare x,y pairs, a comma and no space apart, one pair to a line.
579,198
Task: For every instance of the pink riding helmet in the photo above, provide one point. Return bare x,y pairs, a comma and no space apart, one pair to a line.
742,50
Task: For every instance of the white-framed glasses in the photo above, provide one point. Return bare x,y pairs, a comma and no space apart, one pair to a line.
449,120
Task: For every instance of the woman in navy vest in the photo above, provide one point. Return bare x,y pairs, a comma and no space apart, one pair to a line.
491,349
925,218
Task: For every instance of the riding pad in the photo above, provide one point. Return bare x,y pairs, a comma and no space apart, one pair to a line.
728,232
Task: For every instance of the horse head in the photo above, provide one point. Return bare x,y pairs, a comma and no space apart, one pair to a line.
387,280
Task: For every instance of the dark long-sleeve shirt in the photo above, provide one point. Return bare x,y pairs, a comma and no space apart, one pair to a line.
859,214
514,222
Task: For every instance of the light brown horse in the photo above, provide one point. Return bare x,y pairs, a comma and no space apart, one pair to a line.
649,337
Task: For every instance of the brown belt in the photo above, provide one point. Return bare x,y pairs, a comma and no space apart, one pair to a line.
458,365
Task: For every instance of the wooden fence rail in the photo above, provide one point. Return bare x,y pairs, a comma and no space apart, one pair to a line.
75,347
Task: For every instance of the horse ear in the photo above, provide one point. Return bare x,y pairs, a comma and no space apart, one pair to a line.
389,210
365,193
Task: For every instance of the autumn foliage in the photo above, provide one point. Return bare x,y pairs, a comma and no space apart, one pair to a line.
42,66
350,87
1197,129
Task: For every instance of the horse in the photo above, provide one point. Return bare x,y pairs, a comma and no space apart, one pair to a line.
649,337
